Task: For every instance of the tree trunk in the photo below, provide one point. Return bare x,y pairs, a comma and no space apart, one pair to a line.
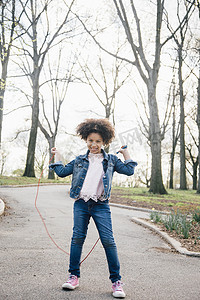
183,183
174,143
5,52
156,184
172,156
30,160
198,124
194,175
2,92
51,141
108,114
171,179
29,170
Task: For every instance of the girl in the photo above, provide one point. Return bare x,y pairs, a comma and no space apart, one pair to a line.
91,187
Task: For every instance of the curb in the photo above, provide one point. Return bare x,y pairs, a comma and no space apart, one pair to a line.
138,208
2,207
175,244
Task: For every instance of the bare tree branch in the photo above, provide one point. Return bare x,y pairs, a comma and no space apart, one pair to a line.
100,46
18,133
23,106
181,23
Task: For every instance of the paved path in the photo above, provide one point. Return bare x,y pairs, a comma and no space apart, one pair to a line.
31,267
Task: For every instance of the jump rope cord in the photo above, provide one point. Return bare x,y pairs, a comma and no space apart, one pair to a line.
45,226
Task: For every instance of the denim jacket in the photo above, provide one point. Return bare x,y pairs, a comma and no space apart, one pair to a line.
79,166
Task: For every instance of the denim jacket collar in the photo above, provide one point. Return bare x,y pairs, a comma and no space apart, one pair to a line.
105,155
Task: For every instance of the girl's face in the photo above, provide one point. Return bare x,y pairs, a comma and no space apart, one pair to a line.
94,142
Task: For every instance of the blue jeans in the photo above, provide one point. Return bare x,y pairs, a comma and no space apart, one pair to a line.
100,212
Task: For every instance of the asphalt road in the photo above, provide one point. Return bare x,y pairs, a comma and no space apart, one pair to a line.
31,267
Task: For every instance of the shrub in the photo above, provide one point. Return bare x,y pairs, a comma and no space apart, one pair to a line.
174,221
196,215
155,216
185,226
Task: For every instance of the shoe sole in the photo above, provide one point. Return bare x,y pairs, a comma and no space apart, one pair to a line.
119,296
69,286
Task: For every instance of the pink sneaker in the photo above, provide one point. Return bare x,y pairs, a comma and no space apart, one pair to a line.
71,283
118,290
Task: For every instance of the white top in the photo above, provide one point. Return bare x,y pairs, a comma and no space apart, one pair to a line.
93,184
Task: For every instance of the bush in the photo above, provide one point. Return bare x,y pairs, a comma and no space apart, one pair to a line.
185,226
155,216
196,215
174,221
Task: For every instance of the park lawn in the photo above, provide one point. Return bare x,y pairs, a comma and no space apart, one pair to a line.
21,180
185,201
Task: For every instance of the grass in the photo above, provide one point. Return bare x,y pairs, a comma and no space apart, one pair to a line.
181,200
18,180
185,201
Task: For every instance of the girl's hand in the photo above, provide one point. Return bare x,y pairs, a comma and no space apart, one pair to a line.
122,149
125,152
54,150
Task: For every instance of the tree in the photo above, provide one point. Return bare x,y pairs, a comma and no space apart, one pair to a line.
58,87
143,176
149,72
40,159
9,22
3,155
198,124
179,38
105,81
149,75
194,115
150,78
42,39
193,161
197,50
175,133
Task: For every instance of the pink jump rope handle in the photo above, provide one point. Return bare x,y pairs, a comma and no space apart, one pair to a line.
123,147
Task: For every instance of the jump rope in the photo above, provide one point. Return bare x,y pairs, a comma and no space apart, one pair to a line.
45,226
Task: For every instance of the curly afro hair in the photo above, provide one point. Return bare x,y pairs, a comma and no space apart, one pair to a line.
100,126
